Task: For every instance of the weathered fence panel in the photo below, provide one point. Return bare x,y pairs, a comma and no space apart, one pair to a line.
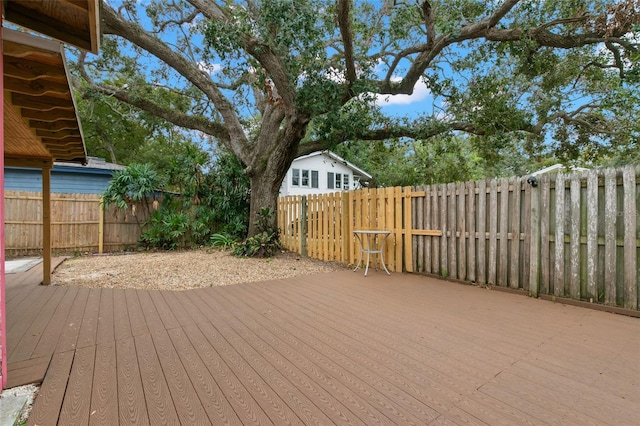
75,224
571,235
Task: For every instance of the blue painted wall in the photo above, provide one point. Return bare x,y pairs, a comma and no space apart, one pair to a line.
67,180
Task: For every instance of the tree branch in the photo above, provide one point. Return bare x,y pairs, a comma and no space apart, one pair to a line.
113,24
344,24
177,22
173,116
260,51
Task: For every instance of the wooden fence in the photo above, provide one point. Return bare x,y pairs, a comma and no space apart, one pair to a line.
78,224
571,235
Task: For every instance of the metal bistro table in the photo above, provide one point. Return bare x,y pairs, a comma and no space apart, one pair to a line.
371,238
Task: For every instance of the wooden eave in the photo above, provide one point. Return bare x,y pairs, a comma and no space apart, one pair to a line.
40,111
75,22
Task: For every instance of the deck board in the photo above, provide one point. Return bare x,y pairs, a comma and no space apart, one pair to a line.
76,405
132,408
335,348
24,349
47,410
51,334
211,396
156,391
104,394
136,316
246,408
68,338
105,326
121,321
89,325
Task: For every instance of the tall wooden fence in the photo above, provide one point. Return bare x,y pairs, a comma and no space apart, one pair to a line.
568,235
78,224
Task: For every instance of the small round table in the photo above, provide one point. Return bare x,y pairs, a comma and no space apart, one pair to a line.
372,238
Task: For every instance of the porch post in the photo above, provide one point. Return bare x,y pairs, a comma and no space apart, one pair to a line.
46,225
3,316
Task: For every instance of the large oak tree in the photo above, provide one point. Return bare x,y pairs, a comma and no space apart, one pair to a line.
274,79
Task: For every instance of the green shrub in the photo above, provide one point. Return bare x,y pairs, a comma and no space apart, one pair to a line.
223,241
265,243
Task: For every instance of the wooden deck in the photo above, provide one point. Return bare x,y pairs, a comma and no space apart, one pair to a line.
335,348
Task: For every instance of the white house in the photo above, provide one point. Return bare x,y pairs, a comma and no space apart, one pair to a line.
322,172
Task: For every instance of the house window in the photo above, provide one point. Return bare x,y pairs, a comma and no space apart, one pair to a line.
337,181
304,178
295,177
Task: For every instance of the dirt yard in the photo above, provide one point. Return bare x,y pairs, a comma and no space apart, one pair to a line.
181,270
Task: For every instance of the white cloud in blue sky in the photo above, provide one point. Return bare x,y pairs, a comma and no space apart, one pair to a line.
209,68
420,93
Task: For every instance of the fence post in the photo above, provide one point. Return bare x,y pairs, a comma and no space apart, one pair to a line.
408,228
46,225
303,225
534,255
101,225
345,221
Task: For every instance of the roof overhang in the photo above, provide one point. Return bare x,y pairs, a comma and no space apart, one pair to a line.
332,155
39,110
75,22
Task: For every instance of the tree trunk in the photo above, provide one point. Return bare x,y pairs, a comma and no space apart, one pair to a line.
264,194
272,153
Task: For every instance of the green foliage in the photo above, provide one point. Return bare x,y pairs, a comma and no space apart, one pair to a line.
223,241
228,195
133,187
265,242
206,199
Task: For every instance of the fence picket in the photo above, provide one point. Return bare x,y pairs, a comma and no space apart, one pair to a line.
503,230
574,276
435,224
585,247
545,252
558,273
419,241
462,229
427,225
514,276
610,246
493,231
471,225
592,235
630,232
453,264
444,258
482,236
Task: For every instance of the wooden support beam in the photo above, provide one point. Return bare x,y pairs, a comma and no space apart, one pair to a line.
30,162
26,69
36,87
41,103
46,226
49,116
427,232
53,126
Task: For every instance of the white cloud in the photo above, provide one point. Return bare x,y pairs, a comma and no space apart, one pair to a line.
209,68
420,93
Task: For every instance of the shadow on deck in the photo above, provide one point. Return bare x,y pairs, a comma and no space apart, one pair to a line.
335,348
